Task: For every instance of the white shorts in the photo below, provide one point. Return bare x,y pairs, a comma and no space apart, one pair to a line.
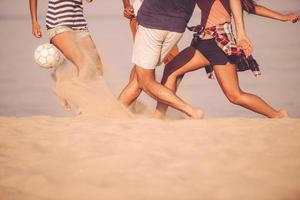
151,46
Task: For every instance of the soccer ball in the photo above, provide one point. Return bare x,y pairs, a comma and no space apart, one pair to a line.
48,56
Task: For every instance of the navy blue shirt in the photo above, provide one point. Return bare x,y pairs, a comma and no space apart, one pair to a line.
170,15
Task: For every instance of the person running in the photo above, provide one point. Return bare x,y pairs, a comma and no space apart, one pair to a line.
130,12
161,25
214,44
67,30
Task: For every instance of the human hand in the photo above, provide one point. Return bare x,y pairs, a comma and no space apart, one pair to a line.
128,12
244,44
36,30
89,1
291,17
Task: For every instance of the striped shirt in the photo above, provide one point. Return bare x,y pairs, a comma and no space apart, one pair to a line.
65,13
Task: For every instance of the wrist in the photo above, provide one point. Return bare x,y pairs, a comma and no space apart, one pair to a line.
35,23
283,18
241,34
240,30
34,20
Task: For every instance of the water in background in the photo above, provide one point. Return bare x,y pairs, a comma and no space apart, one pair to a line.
26,89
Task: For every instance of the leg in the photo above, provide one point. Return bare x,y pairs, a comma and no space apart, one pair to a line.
79,48
151,46
131,91
228,80
63,102
66,43
188,60
91,54
146,80
133,26
173,53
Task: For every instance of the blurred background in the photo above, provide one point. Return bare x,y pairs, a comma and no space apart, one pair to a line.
25,88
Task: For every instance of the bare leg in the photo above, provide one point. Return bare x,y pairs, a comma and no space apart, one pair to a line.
66,43
133,26
173,53
228,81
188,60
91,54
82,52
146,80
131,91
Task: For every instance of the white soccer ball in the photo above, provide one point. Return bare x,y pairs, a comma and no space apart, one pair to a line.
48,56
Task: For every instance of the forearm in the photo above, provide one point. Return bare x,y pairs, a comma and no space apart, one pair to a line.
126,3
33,10
265,12
237,12
242,40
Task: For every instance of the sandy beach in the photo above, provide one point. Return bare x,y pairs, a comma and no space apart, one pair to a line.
83,158
107,153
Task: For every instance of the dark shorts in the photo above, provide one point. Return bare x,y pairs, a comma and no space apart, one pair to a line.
214,53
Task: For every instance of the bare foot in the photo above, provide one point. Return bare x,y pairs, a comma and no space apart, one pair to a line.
158,115
197,114
64,103
282,114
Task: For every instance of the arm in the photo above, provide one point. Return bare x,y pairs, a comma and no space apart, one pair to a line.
36,29
243,41
128,9
266,12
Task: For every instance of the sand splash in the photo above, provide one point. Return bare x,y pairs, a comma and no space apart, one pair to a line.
88,94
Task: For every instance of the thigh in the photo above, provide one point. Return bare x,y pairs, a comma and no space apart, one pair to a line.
66,42
170,41
88,48
196,62
173,53
190,59
144,75
227,77
147,47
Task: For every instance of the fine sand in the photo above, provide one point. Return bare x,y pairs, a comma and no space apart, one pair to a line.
84,158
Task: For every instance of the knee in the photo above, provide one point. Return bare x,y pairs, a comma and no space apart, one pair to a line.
172,78
133,82
168,76
143,84
235,97
145,78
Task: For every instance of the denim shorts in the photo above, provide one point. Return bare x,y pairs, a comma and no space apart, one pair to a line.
52,32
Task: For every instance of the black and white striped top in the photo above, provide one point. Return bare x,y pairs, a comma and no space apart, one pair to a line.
65,12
